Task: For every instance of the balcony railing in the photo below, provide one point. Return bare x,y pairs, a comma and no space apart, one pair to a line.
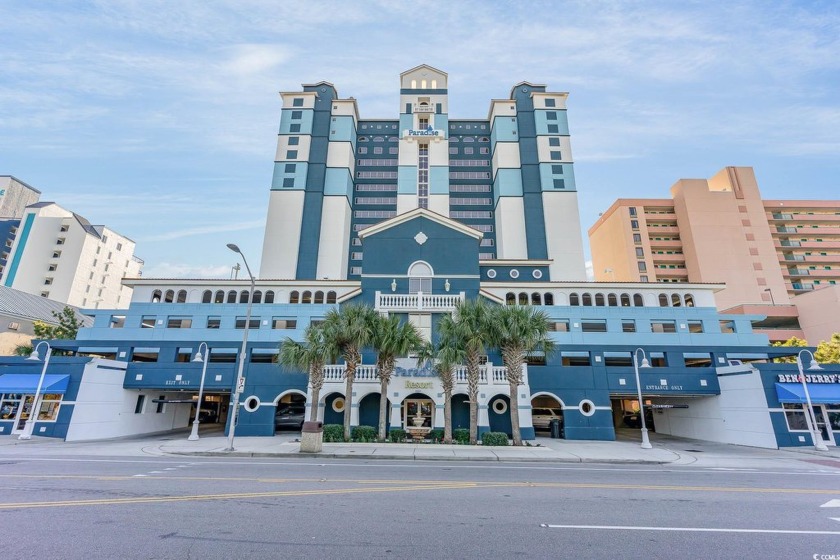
417,302
488,374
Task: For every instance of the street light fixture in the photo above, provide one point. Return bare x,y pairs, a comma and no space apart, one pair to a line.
234,397
199,358
33,414
645,441
769,291
813,366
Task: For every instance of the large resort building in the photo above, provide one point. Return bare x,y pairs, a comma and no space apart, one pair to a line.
411,215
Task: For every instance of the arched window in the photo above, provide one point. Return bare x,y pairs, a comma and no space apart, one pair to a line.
510,298
663,300
207,296
243,296
599,300
625,300
587,300
574,300
549,298
169,297
675,300
483,139
269,296
420,278
378,139
307,297
637,300
294,297
156,296
612,301
330,297
536,299
689,300
523,298
257,296
220,297
469,139
319,297
231,298
363,139
182,296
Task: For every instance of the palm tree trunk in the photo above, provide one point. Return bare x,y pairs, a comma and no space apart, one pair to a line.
473,393
514,413
447,416
316,395
350,373
383,405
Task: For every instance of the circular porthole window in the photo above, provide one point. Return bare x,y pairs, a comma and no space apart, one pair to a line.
499,406
587,407
491,273
252,404
514,273
537,274
524,90
338,404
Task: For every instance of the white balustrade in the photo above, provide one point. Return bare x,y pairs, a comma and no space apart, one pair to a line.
487,374
418,301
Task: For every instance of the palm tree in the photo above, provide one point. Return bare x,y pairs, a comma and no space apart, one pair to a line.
348,330
517,331
310,355
391,339
468,328
444,358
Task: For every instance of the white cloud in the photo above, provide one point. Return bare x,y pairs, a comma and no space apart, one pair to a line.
176,270
204,230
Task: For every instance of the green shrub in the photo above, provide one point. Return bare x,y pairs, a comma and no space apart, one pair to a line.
494,438
396,435
333,433
461,435
363,434
435,435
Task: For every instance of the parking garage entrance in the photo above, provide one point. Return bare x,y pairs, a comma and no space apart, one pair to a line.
544,409
625,411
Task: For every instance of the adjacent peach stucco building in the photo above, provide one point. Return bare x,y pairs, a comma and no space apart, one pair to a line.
769,253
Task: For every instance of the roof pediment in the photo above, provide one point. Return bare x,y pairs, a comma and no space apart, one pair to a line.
420,213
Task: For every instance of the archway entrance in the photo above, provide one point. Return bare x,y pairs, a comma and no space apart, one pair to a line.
369,411
460,412
334,409
544,409
418,404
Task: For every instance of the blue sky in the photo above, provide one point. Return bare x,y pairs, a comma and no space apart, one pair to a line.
159,118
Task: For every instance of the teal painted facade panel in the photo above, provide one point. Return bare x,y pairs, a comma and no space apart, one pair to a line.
442,123
406,123
24,235
439,179
305,121
343,129
542,122
508,182
298,175
338,181
547,177
504,129
407,179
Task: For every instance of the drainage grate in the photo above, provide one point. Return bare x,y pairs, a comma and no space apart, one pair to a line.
693,450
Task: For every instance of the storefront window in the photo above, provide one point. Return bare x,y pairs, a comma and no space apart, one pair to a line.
50,403
795,416
833,411
9,405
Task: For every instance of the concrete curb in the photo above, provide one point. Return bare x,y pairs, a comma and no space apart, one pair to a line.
497,459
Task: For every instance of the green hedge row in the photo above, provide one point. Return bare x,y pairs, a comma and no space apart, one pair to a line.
333,433
494,438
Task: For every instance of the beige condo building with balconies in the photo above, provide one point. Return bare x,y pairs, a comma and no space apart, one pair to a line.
772,254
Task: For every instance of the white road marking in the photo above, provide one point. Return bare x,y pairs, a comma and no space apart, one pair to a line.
690,529
835,518
831,503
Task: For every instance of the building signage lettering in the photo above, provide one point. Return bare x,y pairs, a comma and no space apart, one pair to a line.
663,387
429,131
418,384
810,378
171,382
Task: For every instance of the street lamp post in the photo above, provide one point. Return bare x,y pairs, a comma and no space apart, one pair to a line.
199,358
769,291
234,399
33,414
813,366
645,441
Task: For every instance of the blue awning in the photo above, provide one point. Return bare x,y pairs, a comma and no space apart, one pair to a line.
27,383
828,393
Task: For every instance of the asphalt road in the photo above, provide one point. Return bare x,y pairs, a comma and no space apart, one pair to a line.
169,507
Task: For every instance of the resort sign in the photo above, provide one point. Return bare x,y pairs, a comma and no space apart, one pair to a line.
418,384
428,131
